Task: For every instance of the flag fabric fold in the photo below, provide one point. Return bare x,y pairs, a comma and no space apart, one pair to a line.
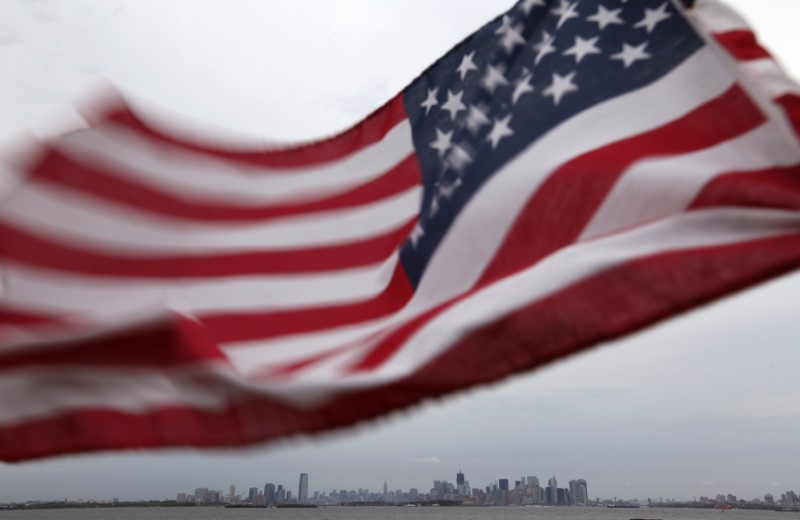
570,173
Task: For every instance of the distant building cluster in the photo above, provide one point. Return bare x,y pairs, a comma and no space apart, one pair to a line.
270,495
788,500
525,491
529,491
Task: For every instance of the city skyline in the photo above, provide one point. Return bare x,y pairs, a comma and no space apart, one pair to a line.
525,491
705,404
530,490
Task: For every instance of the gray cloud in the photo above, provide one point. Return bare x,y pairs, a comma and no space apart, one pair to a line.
427,460
42,10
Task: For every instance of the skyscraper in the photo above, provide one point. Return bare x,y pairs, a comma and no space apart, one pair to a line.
269,493
579,492
302,493
552,491
459,478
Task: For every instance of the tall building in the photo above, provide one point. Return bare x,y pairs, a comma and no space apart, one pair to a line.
385,490
269,493
251,496
232,492
462,486
503,484
552,491
302,493
533,488
579,493
201,495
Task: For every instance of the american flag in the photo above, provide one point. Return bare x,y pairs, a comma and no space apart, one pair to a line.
571,172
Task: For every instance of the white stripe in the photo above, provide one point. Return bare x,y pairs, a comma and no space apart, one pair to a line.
479,229
128,389
193,176
69,217
716,227
111,300
767,73
717,17
657,188
251,357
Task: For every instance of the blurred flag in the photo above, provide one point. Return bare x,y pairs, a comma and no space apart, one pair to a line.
571,172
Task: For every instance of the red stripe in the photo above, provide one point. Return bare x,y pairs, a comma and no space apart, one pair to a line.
58,169
250,326
29,249
613,303
367,132
563,205
170,342
774,188
791,107
9,316
742,45
18,326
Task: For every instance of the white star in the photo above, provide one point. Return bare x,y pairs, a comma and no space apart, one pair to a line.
454,104
476,118
523,87
653,17
446,191
434,205
560,86
458,159
510,39
582,48
527,5
417,233
631,54
466,65
443,142
431,100
565,11
544,47
505,25
493,78
605,17
500,130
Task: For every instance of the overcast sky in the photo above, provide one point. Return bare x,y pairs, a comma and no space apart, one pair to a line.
707,403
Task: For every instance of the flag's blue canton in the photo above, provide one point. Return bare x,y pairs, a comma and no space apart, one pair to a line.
515,79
